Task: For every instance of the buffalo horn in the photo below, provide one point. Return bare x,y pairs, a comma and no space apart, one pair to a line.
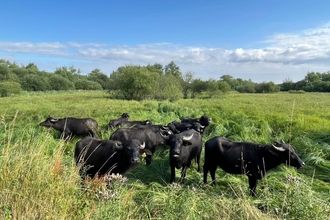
143,145
278,148
187,138
119,147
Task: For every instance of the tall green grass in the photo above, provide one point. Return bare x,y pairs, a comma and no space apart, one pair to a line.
39,180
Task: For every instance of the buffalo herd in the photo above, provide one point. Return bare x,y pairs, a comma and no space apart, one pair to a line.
132,139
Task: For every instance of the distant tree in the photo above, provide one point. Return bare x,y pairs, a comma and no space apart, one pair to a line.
32,67
97,76
84,84
187,78
197,87
69,73
230,80
58,82
300,85
7,88
224,87
313,77
173,69
33,82
156,68
247,86
169,88
134,82
325,76
267,87
287,85
212,88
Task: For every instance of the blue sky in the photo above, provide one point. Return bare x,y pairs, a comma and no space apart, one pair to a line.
261,40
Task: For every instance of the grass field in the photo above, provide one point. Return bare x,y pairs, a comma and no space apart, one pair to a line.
39,180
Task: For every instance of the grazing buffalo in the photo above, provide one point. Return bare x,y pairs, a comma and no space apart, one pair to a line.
178,127
134,123
123,122
115,123
151,138
99,157
72,126
185,146
251,159
200,124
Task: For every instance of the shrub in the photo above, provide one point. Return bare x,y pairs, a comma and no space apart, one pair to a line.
8,88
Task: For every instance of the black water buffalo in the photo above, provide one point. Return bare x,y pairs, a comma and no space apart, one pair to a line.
115,123
251,159
200,124
99,157
178,127
72,126
134,123
123,122
151,138
185,147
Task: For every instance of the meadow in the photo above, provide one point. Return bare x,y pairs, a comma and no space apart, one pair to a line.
39,179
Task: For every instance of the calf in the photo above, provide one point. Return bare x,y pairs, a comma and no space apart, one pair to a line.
99,157
251,159
72,126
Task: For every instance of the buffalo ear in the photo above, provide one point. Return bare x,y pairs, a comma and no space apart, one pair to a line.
146,151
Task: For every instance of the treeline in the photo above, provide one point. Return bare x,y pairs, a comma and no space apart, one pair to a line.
144,82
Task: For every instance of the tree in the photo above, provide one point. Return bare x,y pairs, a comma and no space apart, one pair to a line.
134,82
58,82
197,87
69,73
8,88
97,76
169,88
173,69
267,87
224,87
85,84
313,77
187,78
33,82
287,85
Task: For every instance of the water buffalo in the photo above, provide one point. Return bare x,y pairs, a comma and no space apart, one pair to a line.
151,138
123,122
115,123
251,159
200,124
72,126
99,157
178,127
185,146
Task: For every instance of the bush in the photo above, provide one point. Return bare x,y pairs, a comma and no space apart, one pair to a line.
8,88
297,91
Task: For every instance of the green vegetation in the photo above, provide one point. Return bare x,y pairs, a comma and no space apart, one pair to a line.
132,82
39,180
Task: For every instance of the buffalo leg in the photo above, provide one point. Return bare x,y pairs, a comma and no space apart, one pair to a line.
198,160
212,172
148,159
172,174
183,173
253,181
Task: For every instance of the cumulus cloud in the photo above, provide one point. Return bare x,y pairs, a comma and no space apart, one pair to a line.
287,55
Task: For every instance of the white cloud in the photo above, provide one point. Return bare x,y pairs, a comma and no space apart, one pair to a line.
288,55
